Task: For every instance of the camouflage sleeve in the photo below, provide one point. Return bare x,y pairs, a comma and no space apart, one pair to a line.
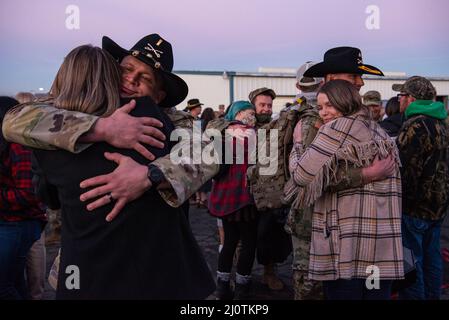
184,178
42,126
187,177
346,178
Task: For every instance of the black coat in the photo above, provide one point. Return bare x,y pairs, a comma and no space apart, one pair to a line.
147,252
393,124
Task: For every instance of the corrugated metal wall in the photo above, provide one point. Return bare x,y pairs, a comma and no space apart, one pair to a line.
384,87
244,85
214,89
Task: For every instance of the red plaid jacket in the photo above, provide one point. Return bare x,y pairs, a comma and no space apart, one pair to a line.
230,192
17,200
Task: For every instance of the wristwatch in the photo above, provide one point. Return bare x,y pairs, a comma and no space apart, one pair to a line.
155,175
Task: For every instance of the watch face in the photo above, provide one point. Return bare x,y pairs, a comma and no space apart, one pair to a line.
155,175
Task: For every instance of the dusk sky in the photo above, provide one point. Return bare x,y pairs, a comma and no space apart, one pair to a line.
217,35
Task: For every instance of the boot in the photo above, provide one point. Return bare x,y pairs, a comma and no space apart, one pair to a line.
223,291
270,278
242,291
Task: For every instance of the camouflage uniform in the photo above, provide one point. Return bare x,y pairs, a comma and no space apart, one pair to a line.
39,125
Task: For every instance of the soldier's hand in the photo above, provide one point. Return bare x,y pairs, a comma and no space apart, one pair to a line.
126,183
380,169
124,131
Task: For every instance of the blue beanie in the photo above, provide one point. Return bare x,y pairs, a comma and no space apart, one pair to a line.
236,107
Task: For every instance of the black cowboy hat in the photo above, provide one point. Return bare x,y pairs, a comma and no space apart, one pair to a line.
156,52
342,60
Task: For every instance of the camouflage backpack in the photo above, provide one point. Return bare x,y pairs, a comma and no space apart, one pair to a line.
268,190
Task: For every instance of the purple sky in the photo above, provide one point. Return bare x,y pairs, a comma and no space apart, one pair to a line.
220,35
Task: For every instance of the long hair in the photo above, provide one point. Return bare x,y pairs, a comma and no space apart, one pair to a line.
392,107
88,81
207,115
343,96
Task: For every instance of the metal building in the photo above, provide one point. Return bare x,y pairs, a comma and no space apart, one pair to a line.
223,87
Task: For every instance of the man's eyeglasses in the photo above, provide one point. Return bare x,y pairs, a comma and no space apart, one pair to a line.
400,95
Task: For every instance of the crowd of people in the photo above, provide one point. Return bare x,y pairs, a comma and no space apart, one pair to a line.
356,188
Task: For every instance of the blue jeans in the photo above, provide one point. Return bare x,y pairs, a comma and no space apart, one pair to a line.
16,239
423,238
355,289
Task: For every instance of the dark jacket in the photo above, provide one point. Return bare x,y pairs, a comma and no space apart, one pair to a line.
393,124
423,147
147,252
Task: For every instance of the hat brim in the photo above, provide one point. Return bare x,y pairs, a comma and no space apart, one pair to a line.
194,106
397,87
322,69
308,84
175,88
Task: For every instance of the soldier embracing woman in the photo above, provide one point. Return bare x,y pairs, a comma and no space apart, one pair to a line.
356,232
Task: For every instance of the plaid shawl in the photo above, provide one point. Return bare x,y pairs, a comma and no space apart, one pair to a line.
354,228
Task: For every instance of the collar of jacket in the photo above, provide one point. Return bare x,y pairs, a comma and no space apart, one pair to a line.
434,109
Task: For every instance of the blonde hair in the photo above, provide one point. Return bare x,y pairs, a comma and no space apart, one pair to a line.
24,97
88,81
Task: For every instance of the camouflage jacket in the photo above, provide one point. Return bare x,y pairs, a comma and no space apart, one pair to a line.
267,181
39,125
423,147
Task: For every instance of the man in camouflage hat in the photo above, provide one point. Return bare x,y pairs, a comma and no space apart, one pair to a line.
262,99
300,229
423,143
273,243
373,101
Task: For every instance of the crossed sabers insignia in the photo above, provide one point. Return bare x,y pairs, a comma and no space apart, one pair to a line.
151,49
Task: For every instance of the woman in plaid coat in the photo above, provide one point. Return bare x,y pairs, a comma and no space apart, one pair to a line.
356,247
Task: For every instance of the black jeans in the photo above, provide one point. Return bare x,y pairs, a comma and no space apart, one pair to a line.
235,231
274,245
356,289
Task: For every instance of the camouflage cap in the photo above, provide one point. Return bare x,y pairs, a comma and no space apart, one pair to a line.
418,87
372,98
266,91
